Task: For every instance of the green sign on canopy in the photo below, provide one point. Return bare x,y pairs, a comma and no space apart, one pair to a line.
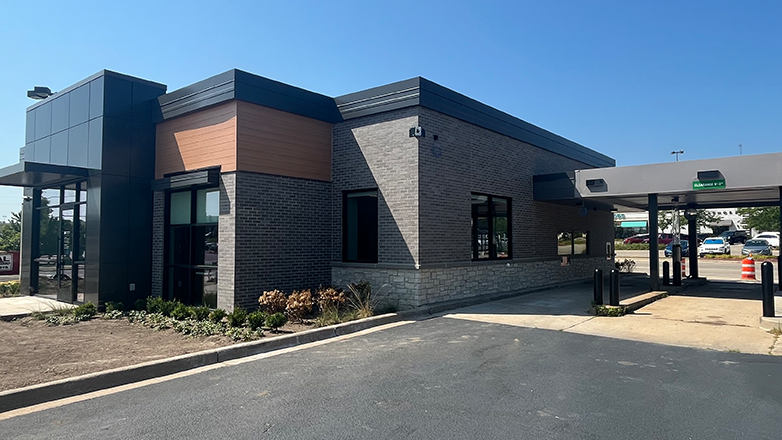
708,184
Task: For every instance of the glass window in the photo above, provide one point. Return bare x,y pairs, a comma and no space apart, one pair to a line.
573,243
580,243
50,197
191,258
360,226
180,208
491,227
207,206
564,243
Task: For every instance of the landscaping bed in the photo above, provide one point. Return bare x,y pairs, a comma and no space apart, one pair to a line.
34,352
71,342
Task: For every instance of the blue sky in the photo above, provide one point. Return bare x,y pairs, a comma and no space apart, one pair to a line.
633,80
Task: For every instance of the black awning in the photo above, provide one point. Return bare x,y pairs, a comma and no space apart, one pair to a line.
205,178
34,174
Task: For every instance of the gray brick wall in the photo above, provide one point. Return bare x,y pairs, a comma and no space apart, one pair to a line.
467,159
428,213
282,236
158,243
226,242
377,152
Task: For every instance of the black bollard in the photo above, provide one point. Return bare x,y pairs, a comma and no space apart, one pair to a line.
767,278
613,295
677,273
598,287
666,273
779,270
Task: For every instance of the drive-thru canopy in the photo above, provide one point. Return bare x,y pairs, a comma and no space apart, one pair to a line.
740,181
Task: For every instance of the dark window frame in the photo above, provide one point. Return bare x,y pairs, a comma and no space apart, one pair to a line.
491,215
190,226
345,195
573,233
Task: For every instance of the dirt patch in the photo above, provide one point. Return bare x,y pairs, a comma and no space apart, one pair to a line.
32,352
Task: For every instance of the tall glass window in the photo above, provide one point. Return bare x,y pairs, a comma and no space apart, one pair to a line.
191,255
359,226
61,251
491,227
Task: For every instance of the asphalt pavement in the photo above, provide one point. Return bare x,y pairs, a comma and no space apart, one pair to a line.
443,378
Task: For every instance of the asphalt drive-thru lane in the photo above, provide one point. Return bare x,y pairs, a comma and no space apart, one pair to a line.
445,378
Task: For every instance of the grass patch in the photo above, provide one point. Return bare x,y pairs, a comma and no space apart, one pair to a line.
611,311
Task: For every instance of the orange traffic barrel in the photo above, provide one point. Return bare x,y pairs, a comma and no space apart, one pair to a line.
748,268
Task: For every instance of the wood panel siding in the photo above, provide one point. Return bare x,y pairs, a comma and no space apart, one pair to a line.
275,142
202,139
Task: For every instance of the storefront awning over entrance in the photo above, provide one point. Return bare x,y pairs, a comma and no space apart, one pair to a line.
34,174
740,181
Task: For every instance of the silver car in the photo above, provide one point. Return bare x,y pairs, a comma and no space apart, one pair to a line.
756,246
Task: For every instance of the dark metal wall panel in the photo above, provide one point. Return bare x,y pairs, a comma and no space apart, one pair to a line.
60,110
59,149
78,141
284,97
379,99
116,145
30,129
41,152
236,84
96,98
80,105
118,98
142,150
95,143
43,121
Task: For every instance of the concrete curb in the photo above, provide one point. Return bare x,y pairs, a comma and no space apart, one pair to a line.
74,386
769,324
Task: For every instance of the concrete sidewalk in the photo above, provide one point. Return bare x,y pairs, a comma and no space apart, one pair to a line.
20,306
717,316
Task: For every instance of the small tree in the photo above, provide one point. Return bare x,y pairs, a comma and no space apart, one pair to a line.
761,219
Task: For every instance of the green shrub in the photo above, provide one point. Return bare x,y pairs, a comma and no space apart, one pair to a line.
155,304
217,315
140,304
113,314
361,299
276,321
237,317
200,313
85,311
636,246
256,320
9,288
112,306
181,311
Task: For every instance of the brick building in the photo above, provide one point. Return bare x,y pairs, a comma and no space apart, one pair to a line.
239,184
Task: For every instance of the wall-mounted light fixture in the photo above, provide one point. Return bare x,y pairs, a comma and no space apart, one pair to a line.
39,92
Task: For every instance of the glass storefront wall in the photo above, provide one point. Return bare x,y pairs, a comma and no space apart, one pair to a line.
61,247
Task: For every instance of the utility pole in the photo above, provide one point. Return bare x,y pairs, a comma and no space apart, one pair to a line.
740,151
677,153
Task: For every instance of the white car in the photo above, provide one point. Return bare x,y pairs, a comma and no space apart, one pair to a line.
771,237
714,245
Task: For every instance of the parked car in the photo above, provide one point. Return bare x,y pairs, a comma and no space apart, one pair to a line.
661,238
756,247
771,237
734,237
714,245
685,249
639,238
